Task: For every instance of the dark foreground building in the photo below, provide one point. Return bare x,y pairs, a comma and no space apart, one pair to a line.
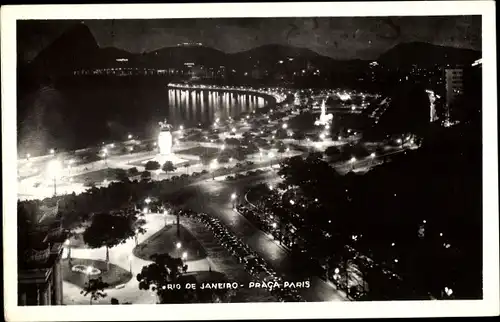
40,248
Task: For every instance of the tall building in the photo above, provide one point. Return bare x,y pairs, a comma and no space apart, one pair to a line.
454,85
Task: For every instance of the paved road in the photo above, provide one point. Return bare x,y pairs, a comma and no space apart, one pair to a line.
213,197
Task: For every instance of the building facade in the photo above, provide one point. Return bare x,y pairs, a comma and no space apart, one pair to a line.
40,277
454,85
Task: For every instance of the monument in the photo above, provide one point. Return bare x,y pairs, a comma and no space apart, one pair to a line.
164,144
324,118
165,139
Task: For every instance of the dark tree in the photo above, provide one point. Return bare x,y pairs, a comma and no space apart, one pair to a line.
95,287
108,230
146,175
133,171
152,165
168,167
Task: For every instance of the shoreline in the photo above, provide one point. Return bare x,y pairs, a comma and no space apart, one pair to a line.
270,102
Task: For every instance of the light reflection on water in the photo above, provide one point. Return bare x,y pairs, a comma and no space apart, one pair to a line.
190,108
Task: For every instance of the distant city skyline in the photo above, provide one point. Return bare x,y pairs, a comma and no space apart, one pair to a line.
341,38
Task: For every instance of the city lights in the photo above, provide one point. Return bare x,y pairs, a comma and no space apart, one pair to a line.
178,245
284,126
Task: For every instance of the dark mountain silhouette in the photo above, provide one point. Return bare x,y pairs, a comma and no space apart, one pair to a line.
75,47
178,55
275,51
426,55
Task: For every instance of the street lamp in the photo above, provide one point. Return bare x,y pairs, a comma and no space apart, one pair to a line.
271,155
284,126
353,159
130,136
165,213
147,200
233,198
130,262
178,246
54,170
105,155
67,243
28,156
213,166
184,255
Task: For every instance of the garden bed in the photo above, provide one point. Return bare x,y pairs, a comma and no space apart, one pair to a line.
164,242
76,273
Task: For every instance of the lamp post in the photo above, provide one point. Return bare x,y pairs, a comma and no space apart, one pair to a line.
105,155
271,155
67,244
372,157
130,262
54,170
353,159
165,213
400,142
233,198
213,166
178,247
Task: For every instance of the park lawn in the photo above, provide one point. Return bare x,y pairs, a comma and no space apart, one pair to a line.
114,276
200,150
164,242
96,176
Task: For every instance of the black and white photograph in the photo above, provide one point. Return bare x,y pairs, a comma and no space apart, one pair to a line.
288,153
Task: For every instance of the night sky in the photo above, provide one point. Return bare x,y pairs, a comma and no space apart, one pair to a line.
342,38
